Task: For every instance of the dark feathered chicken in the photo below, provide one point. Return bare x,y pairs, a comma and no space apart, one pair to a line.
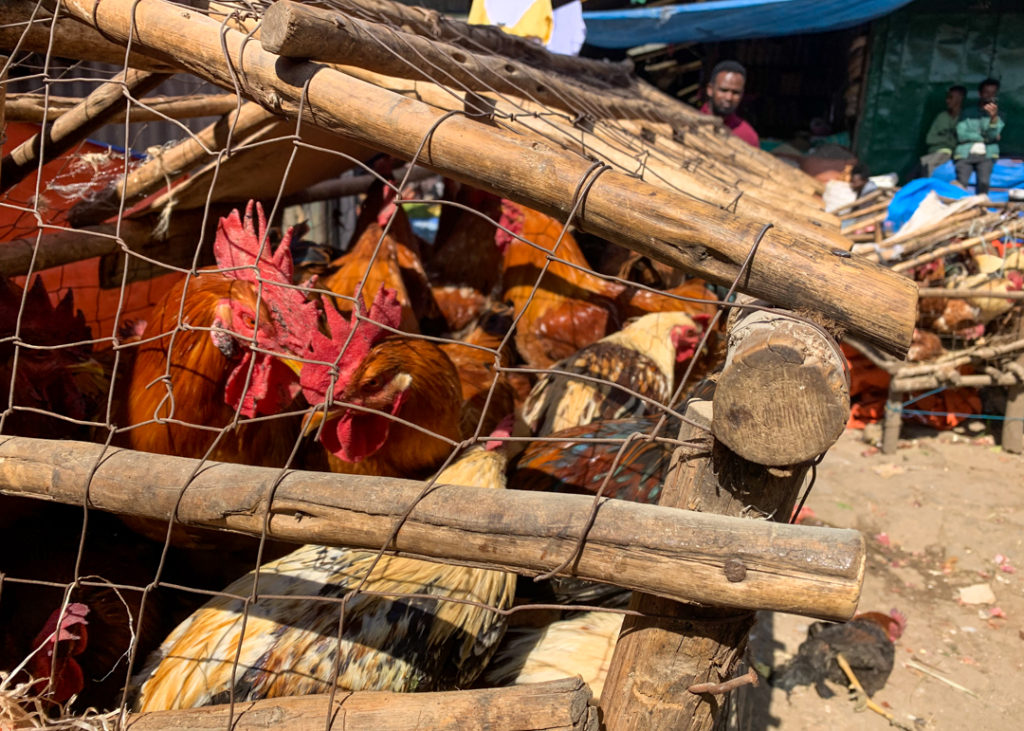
866,641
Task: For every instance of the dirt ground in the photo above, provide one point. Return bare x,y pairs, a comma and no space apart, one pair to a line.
944,513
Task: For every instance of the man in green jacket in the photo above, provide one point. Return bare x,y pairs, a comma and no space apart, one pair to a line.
941,137
977,135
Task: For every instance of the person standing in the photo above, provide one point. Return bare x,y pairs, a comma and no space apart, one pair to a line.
941,137
977,134
725,91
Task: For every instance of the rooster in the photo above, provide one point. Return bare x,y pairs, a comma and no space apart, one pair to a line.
642,357
375,377
291,646
578,460
476,369
60,377
195,370
571,307
581,644
378,259
866,641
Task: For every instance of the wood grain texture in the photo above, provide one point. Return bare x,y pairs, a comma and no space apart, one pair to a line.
660,655
675,553
558,705
783,396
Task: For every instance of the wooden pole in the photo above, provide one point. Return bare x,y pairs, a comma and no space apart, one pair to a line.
1013,417
675,553
692,235
38,108
88,115
25,25
164,168
783,397
303,32
1005,229
63,246
658,658
557,705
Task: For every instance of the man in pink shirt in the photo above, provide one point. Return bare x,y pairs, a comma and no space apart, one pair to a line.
725,91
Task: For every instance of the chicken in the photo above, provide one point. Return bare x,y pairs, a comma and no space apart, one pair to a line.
459,306
54,648
642,301
476,369
291,646
60,377
637,365
378,259
866,641
924,346
579,461
401,377
581,644
463,255
571,307
195,367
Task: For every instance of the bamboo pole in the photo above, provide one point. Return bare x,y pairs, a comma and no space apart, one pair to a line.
674,553
671,228
672,648
38,108
557,705
87,116
797,412
966,293
1006,229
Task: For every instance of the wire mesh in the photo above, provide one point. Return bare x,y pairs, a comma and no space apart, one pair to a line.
119,349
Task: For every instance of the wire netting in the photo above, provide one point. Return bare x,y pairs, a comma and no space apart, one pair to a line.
144,307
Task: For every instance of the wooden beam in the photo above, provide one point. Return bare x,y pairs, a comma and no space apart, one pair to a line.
90,114
689,234
63,246
482,38
25,26
668,552
39,108
299,31
659,656
557,705
783,396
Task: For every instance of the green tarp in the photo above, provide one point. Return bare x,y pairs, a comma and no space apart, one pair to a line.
921,50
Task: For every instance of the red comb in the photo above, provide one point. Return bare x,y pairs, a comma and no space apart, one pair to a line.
316,378
240,248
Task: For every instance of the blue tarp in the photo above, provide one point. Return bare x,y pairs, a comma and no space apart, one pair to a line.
724,20
909,197
1006,173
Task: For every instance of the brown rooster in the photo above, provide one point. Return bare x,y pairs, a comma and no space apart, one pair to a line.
375,377
476,369
60,376
642,358
196,366
291,647
571,307
378,259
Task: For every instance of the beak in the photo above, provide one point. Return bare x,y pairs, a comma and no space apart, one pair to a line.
89,367
295,365
312,421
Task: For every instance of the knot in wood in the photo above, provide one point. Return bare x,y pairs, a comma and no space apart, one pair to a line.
735,571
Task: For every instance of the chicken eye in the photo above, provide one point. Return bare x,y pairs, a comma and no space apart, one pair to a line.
373,384
248,320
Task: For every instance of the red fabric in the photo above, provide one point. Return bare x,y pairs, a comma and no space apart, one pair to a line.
739,126
869,390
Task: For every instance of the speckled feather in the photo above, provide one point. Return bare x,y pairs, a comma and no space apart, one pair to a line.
640,357
290,645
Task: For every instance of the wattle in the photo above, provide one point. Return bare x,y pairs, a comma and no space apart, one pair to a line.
272,388
355,436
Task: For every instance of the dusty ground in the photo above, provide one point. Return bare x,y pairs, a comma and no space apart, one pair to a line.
945,512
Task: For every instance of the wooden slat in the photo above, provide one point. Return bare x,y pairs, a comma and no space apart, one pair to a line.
674,553
558,705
